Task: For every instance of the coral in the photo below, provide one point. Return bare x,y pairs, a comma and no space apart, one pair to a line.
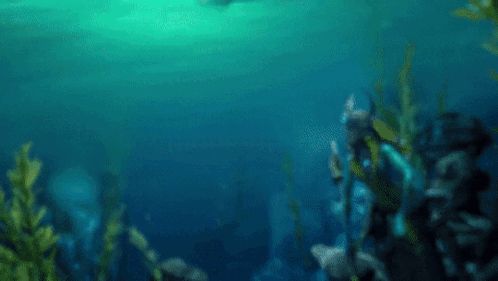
27,247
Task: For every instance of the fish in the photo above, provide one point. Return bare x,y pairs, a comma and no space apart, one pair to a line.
216,2
220,3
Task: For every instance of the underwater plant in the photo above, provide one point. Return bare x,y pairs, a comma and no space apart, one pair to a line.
113,210
172,269
27,246
113,230
294,206
477,10
150,257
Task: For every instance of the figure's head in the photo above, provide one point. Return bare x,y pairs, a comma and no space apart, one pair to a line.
358,124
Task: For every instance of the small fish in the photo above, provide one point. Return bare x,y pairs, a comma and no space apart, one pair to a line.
220,3
216,2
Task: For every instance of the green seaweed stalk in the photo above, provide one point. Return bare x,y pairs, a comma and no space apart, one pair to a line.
113,230
294,206
477,10
27,248
151,260
408,110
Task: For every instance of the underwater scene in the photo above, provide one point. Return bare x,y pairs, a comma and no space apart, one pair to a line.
248,140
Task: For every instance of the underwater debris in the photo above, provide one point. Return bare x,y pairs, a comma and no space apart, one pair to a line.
27,247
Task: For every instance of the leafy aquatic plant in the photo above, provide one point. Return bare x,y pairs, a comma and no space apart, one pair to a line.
477,10
113,210
27,247
408,110
150,257
113,230
294,206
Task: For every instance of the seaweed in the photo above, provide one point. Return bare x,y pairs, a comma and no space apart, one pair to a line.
113,210
150,257
294,206
113,230
408,110
397,125
442,99
477,10
27,247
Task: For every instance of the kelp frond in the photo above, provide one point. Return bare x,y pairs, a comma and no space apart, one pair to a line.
483,10
479,10
27,248
294,205
408,110
150,257
113,230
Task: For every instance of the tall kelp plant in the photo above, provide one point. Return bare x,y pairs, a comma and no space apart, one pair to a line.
150,257
477,10
27,247
113,230
294,206
397,125
113,209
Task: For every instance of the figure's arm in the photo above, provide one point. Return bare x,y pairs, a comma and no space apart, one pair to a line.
412,188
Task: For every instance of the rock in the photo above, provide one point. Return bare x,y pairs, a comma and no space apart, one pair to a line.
333,260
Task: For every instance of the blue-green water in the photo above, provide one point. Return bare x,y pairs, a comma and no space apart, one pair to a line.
193,103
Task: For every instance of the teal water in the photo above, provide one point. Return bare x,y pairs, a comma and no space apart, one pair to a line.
181,98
